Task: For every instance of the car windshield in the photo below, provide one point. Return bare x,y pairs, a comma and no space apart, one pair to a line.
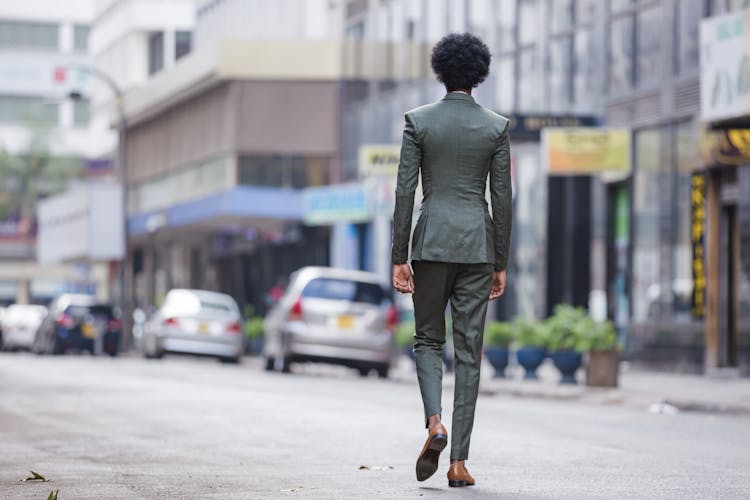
188,303
339,289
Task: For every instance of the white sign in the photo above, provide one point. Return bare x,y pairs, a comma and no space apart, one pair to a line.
725,66
84,223
48,75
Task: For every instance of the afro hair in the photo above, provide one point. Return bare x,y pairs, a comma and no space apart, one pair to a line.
460,61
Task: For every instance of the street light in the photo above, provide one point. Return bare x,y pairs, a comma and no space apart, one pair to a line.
120,174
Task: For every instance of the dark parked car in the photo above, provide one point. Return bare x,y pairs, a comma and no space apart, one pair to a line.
76,323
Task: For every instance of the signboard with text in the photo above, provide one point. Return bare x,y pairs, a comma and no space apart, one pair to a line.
332,204
697,236
725,66
378,159
586,150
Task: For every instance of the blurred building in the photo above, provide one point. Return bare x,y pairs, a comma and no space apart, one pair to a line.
219,147
620,244
46,138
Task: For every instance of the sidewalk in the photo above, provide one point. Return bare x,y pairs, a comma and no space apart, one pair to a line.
648,390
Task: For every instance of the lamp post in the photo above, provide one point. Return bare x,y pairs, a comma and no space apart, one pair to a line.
123,292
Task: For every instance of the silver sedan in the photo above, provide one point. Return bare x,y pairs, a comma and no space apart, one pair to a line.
335,316
195,322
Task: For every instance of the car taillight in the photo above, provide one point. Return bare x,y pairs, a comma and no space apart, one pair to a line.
392,318
234,327
295,313
114,324
65,320
171,322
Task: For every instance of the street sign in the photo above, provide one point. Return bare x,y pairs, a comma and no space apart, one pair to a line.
586,150
378,159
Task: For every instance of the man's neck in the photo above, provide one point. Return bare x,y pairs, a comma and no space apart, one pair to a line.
467,92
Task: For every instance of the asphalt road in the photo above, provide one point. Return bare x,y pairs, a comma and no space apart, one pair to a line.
101,428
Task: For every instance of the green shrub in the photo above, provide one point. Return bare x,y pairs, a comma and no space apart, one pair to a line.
529,332
596,336
498,334
253,327
564,328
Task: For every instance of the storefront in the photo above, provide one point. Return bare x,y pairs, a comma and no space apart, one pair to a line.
725,178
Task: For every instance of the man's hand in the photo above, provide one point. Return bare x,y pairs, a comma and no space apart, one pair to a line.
498,284
403,281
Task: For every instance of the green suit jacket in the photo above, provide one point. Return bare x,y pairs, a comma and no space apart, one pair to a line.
455,144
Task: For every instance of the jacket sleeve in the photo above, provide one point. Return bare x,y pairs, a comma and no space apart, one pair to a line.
502,200
406,183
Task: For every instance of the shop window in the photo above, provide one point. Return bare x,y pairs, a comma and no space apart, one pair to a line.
685,147
647,291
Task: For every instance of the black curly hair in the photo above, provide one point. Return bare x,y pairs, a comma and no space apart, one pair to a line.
460,61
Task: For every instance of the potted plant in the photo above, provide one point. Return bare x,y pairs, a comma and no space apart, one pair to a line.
565,341
530,337
497,337
600,340
253,329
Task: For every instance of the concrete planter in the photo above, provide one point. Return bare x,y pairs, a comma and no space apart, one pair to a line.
602,369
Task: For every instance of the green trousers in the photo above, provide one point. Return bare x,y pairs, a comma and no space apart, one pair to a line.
468,287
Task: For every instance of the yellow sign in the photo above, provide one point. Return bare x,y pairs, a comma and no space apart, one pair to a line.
697,232
378,159
586,150
725,147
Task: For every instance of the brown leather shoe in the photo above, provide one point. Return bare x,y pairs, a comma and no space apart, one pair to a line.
459,476
427,463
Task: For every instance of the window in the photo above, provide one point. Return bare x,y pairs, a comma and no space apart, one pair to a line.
155,52
182,43
586,11
685,146
583,77
561,15
647,235
80,37
338,289
283,171
530,21
505,82
507,25
81,112
560,85
648,46
687,36
24,109
17,34
530,81
620,55
618,5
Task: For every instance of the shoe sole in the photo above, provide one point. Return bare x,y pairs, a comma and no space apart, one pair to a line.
458,484
427,463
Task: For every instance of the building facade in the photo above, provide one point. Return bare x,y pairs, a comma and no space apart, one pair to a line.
46,139
603,63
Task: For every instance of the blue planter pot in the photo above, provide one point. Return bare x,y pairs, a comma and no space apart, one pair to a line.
568,362
530,358
498,358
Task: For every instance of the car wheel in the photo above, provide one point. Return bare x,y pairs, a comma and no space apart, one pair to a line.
286,365
229,360
363,372
270,362
383,371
